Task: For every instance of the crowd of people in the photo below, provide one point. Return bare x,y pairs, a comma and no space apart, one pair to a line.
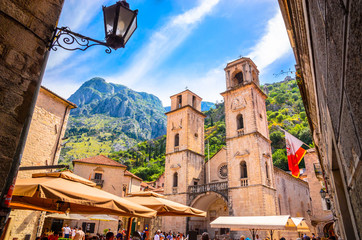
75,233
78,234
159,235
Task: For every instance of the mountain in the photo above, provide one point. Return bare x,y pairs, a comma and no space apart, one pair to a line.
110,117
205,106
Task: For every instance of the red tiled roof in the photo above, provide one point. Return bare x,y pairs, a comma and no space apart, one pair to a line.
100,160
145,185
128,173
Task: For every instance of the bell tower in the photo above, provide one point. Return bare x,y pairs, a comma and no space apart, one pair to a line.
250,167
184,151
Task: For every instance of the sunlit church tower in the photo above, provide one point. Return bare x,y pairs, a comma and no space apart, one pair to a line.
248,150
184,152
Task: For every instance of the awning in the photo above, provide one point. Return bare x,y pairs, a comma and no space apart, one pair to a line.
301,224
163,206
283,222
66,192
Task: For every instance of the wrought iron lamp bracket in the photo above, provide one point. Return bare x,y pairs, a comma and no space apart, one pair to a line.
64,38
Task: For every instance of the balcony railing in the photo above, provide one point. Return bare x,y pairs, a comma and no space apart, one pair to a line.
98,182
214,187
240,132
244,182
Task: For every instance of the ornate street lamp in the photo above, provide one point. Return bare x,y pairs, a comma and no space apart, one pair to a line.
120,22
323,193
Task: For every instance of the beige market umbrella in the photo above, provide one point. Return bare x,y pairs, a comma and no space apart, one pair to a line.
163,206
66,192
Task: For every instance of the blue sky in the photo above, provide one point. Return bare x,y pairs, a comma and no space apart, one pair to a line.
178,44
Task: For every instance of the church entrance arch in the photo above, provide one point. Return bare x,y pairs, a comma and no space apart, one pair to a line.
215,205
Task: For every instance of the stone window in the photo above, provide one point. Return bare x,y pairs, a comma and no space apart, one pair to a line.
243,170
240,121
223,171
280,206
179,101
194,101
267,170
239,78
177,140
175,179
98,176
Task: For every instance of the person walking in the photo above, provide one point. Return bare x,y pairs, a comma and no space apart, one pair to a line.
157,235
110,236
205,236
119,235
79,234
73,230
66,231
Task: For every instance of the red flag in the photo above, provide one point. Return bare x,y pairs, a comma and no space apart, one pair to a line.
295,153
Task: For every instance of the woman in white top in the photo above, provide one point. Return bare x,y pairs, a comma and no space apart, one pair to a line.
74,230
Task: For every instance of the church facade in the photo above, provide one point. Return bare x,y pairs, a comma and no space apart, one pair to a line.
240,180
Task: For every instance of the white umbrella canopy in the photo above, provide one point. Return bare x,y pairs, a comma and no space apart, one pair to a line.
102,217
301,224
283,222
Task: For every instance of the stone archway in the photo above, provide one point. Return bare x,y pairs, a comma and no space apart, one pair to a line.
215,205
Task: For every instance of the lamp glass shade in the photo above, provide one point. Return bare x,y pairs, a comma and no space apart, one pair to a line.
131,30
120,22
109,16
125,18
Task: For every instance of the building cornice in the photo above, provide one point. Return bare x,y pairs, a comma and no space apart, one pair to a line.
186,150
184,107
238,87
251,133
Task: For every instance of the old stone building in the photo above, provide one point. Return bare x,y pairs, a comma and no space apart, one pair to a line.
109,175
321,215
326,40
42,148
25,30
240,179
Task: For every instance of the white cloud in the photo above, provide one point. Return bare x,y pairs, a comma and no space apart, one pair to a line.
162,43
273,45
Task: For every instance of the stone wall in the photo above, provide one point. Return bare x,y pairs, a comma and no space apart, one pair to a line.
293,195
319,211
25,30
217,161
41,149
326,40
292,199
47,128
